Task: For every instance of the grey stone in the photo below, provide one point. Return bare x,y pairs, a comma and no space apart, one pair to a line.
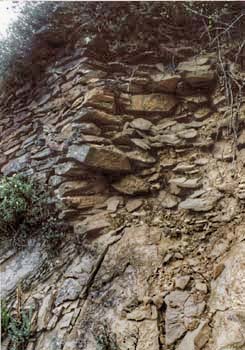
205,203
16,165
69,290
183,182
141,124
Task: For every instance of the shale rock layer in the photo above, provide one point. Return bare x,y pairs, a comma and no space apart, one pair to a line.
148,171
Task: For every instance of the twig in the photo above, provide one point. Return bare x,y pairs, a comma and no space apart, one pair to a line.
239,50
228,28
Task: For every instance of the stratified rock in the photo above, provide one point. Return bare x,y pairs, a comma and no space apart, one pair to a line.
202,113
133,204
197,75
188,134
16,165
227,301
223,151
165,82
195,340
70,290
184,167
80,128
141,144
131,185
42,154
165,139
167,200
183,182
196,99
83,202
199,78
99,158
141,124
76,188
140,159
70,169
44,312
56,180
174,324
113,203
161,103
96,116
204,203
99,97
91,224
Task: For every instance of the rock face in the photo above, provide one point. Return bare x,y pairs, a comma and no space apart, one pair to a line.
145,167
227,301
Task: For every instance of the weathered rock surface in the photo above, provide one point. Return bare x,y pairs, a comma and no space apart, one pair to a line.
227,301
145,167
99,158
160,103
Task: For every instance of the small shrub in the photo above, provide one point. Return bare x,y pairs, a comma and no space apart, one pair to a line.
5,318
17,329
26,211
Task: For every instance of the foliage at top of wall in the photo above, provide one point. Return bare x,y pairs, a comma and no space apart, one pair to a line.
113,28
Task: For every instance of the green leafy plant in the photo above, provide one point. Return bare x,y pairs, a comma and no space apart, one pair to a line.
16,196
26,210
17,329
5,318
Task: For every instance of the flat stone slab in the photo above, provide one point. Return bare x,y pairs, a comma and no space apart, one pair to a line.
131,185
165,82
204,203
161,103
141,124
99,158
183,182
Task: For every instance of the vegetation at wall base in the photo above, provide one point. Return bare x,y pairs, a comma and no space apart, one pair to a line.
15,326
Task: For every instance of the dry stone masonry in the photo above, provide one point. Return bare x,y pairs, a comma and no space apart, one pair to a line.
144,165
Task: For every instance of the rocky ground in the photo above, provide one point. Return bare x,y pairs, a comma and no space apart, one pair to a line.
147,165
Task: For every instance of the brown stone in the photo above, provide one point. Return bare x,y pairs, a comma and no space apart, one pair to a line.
99,158
218,270
196,74
96,116
141,124
84,202
99,97
133,204
165,82
91,225
160,103
82,187
131,185
113,203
